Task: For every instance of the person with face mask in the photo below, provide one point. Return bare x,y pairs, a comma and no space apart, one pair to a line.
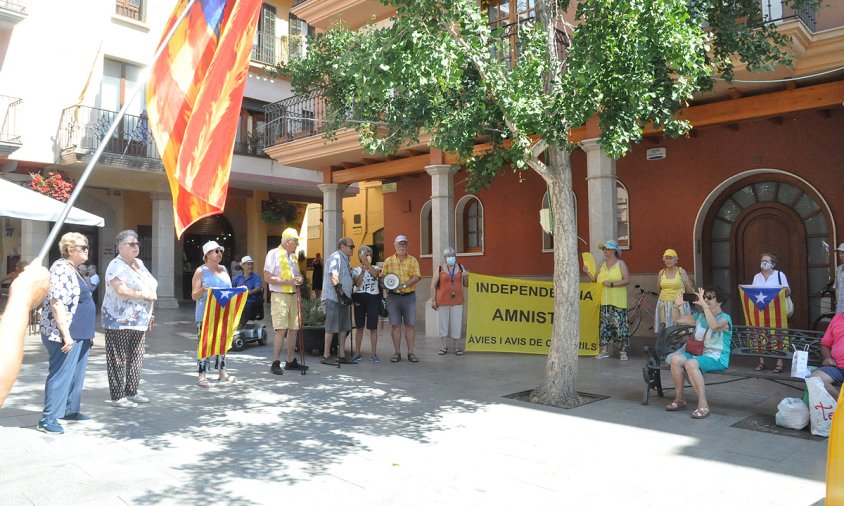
447,299
770,277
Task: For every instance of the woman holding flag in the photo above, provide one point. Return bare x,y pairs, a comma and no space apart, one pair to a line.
211,274
770,277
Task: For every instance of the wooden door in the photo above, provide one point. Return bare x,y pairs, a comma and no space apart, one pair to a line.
771,228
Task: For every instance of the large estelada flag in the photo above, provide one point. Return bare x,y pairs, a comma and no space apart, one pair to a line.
223,307
764,306
194,97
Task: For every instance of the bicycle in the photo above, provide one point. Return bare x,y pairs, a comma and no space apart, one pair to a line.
634,314
826,316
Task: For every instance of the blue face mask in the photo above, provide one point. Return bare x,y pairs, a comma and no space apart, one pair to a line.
451,260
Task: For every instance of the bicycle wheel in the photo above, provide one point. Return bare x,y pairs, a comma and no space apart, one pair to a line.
634,319
822,321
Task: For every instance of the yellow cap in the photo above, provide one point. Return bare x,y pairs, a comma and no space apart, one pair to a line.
290,233
670,253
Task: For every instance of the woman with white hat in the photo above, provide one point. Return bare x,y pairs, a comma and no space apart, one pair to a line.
211,274
672,280
614,277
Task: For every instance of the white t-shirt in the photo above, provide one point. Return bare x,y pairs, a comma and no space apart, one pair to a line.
772,281
369,283
272,265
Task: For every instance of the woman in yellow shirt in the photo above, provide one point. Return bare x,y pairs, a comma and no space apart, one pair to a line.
672,280
614,277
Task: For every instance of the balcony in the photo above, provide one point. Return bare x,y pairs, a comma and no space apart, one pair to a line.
10,139
272,50
12,12
294,118
355,13
83,129
775,11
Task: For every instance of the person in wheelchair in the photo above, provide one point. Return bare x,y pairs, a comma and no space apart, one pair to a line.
254,308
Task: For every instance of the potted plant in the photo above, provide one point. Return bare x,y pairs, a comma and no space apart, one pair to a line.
278,212
313,326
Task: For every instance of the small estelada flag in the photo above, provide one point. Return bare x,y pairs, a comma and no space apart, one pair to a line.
223,307
764,306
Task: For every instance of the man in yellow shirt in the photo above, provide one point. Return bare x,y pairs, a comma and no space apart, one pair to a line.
401,302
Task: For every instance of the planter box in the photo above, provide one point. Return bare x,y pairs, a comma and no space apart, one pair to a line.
314,338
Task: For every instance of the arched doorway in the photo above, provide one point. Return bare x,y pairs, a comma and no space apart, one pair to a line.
213,228
776,213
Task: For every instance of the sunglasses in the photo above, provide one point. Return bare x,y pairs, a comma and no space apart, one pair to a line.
708,297
217,251
82,247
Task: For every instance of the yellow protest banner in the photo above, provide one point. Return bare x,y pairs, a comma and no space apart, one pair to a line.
515,315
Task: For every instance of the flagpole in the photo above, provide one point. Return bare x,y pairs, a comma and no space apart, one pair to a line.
142,81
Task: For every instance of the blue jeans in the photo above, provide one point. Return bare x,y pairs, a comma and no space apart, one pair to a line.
63,389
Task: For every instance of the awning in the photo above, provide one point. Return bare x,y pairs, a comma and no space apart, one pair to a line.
19,202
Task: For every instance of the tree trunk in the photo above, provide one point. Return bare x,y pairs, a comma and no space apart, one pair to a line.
558,384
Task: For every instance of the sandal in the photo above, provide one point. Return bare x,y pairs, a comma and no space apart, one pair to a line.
458,352
676,406
228,378
700,413
442,351
204,383
760,367
778,369
412,357
396,357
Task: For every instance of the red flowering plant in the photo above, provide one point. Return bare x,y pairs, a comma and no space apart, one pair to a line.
53,185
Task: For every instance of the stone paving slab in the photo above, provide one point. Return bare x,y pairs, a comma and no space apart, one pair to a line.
436,432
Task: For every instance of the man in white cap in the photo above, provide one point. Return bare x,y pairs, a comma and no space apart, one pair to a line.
281,272
253,283
401,302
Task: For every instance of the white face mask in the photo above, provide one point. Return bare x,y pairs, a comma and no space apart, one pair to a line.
451,260
766,266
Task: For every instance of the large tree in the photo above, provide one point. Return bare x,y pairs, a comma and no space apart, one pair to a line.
439,68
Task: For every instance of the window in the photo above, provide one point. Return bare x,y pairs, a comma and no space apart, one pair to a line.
623,217
264,43
470,225
505,16
132,136
298,39
130,8
426,230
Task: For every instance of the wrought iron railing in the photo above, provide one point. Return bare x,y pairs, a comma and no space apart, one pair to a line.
130,8
294,118
777,10
13,5
83,129
253,143
270,49
298,2
9,119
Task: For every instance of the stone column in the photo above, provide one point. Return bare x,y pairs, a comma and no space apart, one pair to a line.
332,216
33,235
603,205
164,254
442,233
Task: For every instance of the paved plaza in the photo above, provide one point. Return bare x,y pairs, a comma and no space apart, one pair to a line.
436,432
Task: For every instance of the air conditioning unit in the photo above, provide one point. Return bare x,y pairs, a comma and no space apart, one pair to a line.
656,153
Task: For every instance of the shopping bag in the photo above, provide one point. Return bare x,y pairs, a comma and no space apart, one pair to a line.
792,414
800,363
821,407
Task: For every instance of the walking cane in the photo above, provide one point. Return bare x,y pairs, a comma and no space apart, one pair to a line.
303,370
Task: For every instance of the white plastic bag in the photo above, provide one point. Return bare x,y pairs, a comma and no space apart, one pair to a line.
821,406
800,363
792,414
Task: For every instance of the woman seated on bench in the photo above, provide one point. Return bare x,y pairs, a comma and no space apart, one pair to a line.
715,328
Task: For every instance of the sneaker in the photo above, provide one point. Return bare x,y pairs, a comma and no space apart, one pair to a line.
124,403
375,359
295,365
602,355
139,399
622,355
276,367
357,358
50,426
77,417
395,358
329,361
